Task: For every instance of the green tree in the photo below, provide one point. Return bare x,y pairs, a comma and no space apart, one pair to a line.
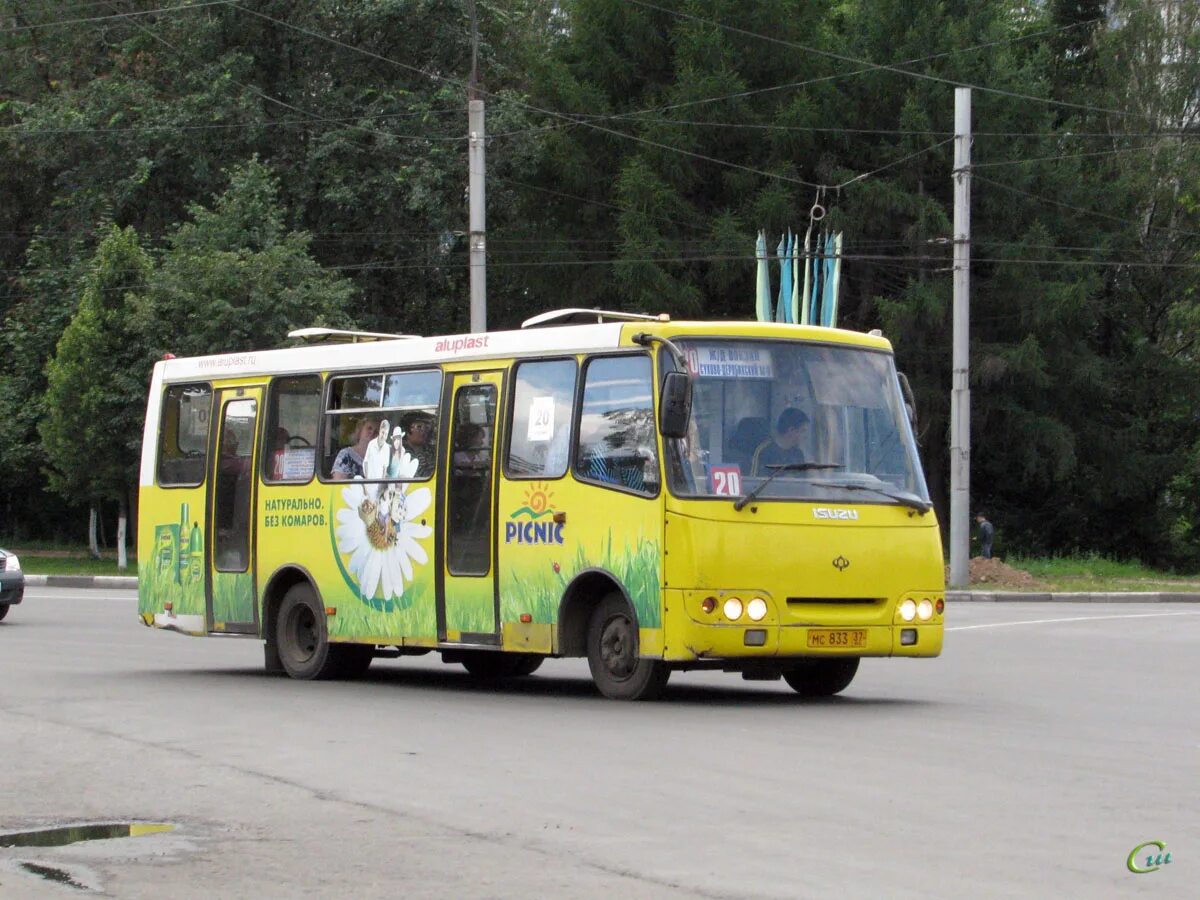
236,278
91,429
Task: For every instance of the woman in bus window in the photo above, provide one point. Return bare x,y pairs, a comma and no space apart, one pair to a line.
349,461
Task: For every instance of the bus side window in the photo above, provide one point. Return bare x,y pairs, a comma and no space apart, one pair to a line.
183,435
543,407
290,440
617,434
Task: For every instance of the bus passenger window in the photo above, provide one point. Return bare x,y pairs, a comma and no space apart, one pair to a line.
293,414
382,427
617,436
543,406
183,435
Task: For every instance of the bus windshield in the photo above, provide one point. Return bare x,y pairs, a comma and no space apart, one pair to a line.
823,422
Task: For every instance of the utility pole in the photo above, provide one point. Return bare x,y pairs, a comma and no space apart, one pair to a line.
960,394
475,165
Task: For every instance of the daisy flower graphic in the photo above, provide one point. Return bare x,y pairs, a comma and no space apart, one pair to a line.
381,535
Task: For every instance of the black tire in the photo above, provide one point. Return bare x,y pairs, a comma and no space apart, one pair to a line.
612,651
821,677
353,660
4,609
494,664
527,664
302,637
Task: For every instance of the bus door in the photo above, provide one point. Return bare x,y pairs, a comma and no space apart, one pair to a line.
230,582
467,598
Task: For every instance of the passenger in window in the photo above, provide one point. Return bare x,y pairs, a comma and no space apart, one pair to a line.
791,434
419,441
473,455
348,463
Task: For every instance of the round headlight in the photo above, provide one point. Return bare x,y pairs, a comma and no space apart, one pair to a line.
908,610
924,610
732,609
756,609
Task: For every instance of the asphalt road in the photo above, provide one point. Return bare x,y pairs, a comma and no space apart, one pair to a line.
1028,761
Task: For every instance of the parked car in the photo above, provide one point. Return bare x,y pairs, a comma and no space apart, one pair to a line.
12,582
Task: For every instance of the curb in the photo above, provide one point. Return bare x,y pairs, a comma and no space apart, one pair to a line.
83,581
1099,597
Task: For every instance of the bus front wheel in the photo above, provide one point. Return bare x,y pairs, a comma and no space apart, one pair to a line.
821,677
612,650
302,638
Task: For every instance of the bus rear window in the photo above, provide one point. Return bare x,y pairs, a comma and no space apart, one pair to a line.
183,435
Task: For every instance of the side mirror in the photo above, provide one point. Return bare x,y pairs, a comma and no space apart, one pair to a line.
910,402
676,407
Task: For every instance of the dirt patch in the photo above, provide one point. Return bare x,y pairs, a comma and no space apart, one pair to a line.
997,573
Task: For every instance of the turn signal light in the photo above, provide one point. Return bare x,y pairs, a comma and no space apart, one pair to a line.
940,606
708,604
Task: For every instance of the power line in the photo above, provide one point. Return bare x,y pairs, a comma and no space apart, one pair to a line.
1061,156
20,131
125,15
885,67
565,116
1090,212
870,67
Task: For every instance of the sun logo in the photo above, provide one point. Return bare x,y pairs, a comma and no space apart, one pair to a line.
538,498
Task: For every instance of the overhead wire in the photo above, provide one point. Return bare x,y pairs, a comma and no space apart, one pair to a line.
533,107
1081,209
887,67
185,7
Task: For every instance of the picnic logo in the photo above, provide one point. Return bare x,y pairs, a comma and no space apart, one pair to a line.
534,523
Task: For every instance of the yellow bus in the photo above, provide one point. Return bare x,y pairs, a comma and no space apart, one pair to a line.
647,493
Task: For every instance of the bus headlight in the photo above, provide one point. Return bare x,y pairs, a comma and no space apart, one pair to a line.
925,610
732,609
908,610
756,609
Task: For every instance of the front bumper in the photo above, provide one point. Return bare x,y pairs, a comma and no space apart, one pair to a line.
12,588
693,641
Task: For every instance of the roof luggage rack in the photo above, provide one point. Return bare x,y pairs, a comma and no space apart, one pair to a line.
578,316
338,336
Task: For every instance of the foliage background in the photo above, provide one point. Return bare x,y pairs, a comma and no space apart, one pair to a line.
203,178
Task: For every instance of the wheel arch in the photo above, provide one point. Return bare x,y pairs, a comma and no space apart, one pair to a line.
281,581
582,595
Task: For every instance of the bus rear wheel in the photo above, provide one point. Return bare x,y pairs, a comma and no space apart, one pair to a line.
492,664
821,677
302,637
612,650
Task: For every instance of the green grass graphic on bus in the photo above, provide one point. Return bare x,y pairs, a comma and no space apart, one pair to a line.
176,573
635,561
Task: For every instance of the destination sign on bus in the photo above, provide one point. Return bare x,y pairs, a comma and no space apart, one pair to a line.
729,360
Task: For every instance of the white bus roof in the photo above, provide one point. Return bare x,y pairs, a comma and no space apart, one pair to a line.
416,351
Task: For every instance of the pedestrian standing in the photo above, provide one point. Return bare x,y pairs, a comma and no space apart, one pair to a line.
986,532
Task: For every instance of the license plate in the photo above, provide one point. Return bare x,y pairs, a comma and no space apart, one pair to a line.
832,638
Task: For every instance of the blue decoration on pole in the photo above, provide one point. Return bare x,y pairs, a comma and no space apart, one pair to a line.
762,299
785,278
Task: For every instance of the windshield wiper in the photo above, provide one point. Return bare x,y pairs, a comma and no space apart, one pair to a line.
910,500
777,468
